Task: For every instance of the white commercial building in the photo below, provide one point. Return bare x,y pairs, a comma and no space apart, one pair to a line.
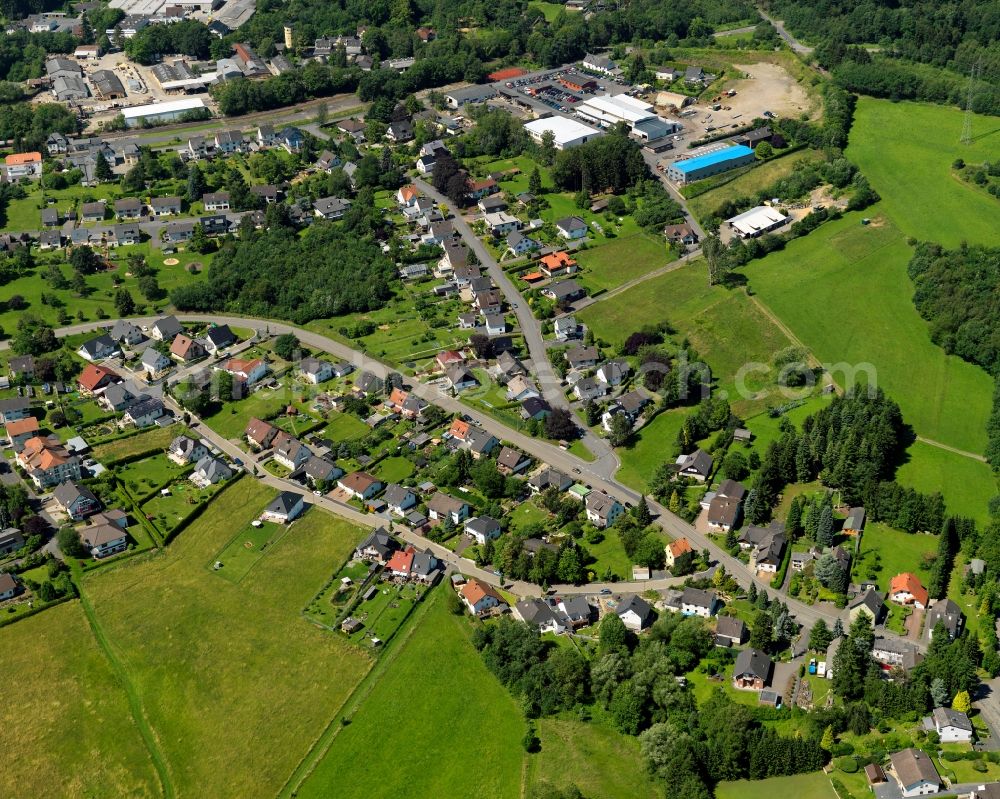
756,222
640,116
566,133
161,112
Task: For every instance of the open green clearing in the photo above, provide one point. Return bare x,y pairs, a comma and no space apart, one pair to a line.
723,324
449,727
802,786
344,426
749,183
844,291
158,438
593,757
215,664
621,260
650,447
146,475
550,10
247,547
394,469
169,510
231,419
966,484
913,174
66,730
897,552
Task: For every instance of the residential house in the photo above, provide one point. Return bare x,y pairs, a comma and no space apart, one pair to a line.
482,529
477,189
327,161
9,586
541,613
165,328
492,204
571,228
210,470
331,208
480,598
218,337
400,131
291,139
566,328
915,773
47,462
107,536
946,612
98,348
895,653
520,387
399,498
557,264
677,549
697,465
22,368
184,450
752,670
576,610
460,378
117,397
518,244
77,501
94,378
369,384
285,508
360,485
259,433
229,141
507,368
49,240
154,362
186,349
501,223
407,195
512,461
855,521
952,726
635,612
315,370
269,193
549,478
696,602
289,451
165,206
680,234
730,631
869,602
20,431
318,470
215,201
247,371
614,372
11,540
24,165
13,409
563,291
442,507
145,411
602,509
906,589
723,514
768,553
588,389
128,208
378,546
582,357
599,63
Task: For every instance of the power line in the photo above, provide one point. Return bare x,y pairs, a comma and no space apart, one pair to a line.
974,77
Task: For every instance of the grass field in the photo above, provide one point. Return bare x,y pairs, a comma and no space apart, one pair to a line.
550,10
704,205
844,291
344,427
898,552
157,438
724,325
148,474
448,726
621,260
394,469
801,786
215,664
593,757
913,173
247,547
652,445
65,729
231,420
171,509
967,484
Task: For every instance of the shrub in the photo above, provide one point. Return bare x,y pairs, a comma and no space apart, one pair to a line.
849,765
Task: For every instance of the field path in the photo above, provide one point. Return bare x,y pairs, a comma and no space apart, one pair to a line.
813,360
956,450
134,700
662,270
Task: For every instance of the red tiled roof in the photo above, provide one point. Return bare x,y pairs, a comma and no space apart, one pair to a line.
92,376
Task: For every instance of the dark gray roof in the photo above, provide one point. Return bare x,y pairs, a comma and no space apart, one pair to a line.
698,598
635,603
67,493
753,662
284,502
483,525
730,627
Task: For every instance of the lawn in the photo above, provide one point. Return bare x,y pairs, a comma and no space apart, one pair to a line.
169,510
897,551
724,325
801,786
550,10
231,420
609,555
394,469
747,184
247,547
66,729
158,438
967,484
215,664
592,757
527,514
344,427
651,446
146,475
913,173
430,711
621,260
844,291
384,613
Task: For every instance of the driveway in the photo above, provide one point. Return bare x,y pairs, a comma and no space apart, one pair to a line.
987,701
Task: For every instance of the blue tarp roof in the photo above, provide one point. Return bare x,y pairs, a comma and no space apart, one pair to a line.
710,159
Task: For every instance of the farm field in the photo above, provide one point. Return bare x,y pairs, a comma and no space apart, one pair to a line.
844,291
913,173
445,688
724,325
747,184
897,552
621,260
197,648
802,786
67,707
579,754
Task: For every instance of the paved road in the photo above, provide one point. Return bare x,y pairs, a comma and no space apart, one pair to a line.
791,41
548,381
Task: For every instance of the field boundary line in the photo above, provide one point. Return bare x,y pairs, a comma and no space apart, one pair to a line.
947,447
315,754
134,700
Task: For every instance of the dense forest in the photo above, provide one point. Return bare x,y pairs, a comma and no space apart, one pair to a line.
326,272
958,292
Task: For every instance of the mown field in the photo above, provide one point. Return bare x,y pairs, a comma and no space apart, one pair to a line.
436,724
966,484
622,260
802,786
65,725
235,684
907,149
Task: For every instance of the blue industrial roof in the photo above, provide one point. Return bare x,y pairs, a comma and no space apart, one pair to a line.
710,159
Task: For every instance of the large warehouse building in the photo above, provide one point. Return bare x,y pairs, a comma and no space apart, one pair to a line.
709,164
639,116
566,133
161,112
757,221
